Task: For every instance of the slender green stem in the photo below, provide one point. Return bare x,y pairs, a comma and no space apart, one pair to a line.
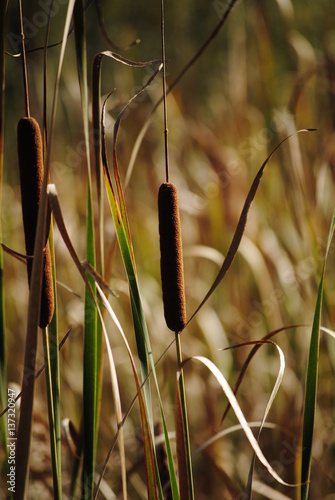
184,417
57,486
54,358
92,336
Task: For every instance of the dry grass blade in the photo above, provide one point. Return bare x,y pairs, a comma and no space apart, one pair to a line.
122,60
267,409
112,314
329,332
250,357
239,414
268,492
57,212
226,432
102,284
215,56
241,225
117,404
17,255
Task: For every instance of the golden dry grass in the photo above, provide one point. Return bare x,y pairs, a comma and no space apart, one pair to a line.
269,72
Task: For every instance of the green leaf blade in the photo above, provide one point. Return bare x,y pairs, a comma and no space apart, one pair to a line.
311,380
92,344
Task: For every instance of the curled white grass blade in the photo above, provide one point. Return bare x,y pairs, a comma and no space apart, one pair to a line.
239,414
278,382
128,62
230,430
268,407
329,332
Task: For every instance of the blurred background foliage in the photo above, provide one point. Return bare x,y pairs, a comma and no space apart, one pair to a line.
270,71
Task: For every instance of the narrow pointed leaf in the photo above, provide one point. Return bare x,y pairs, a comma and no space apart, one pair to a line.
241,225
311,380
92,337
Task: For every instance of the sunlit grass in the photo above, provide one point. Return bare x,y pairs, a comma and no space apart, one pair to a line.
267,74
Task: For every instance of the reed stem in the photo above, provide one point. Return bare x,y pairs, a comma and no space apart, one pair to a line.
24,62
184,418
164,94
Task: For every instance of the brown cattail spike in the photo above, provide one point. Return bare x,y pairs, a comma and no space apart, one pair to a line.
31,178
172,271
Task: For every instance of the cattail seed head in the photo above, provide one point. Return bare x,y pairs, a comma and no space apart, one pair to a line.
47,296
172,270
30,154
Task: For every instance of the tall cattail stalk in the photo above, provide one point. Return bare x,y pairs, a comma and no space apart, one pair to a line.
30,154
172,276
